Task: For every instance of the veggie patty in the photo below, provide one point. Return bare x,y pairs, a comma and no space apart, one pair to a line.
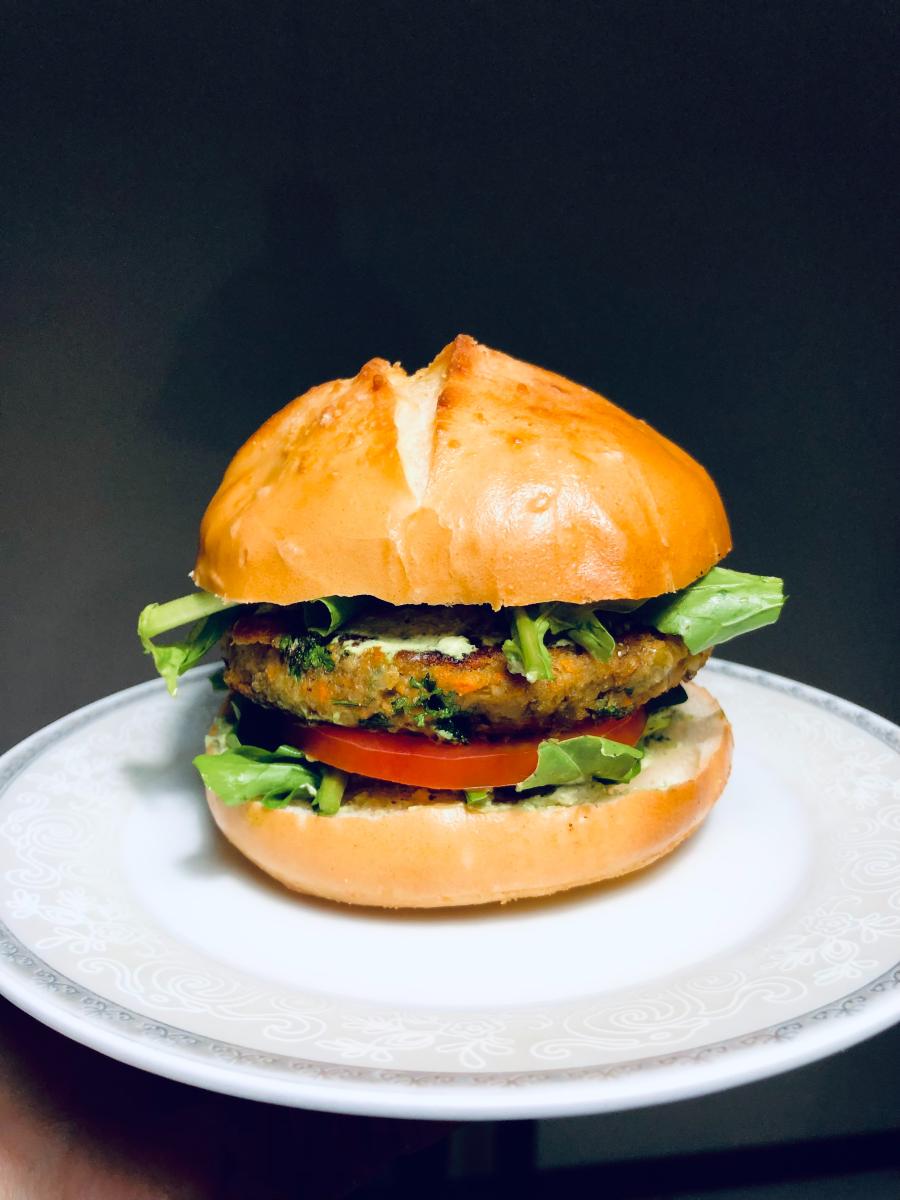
464,689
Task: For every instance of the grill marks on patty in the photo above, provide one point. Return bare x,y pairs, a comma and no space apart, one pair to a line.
269,661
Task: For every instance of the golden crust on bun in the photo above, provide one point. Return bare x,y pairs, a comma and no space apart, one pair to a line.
480,479
394,847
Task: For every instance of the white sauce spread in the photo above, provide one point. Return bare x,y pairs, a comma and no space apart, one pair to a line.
450,645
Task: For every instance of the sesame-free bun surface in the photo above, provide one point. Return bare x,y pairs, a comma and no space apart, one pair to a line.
393,848
478,480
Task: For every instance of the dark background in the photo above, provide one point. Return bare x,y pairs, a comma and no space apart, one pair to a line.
689,206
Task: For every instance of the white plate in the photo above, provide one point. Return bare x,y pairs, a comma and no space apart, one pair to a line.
770,939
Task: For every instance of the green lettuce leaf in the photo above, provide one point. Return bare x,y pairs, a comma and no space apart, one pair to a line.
718,607
580,759
210,615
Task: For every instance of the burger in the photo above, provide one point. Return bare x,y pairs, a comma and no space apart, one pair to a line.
460,610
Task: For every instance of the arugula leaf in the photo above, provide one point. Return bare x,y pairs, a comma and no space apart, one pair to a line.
525,651
208,615
160,618
246,773
328,613
239,773
657,723
211,616
660,712
718,607
580,623
479,797
331,791
580,759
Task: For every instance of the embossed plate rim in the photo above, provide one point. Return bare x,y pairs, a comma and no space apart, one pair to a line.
164,1049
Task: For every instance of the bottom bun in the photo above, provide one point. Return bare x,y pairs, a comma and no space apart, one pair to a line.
394,847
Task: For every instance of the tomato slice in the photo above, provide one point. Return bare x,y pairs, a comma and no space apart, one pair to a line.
418,762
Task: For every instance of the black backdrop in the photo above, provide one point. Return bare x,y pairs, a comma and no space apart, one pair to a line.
686,205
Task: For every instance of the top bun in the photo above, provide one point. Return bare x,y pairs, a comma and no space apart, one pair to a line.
478,480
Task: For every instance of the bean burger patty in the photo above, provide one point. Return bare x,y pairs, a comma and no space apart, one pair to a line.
443,673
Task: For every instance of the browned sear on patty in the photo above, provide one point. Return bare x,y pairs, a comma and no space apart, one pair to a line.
355,679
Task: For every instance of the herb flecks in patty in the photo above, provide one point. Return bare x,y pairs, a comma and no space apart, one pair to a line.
305,652
439,709
604,707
